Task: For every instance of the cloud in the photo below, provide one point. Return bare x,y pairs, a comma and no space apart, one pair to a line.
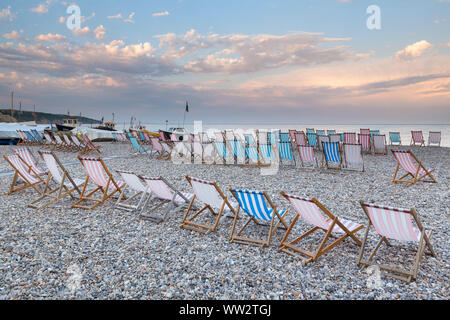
99,32
41,8
129,19
82,31
117,16
413,50
62,19
49,38
161,14
13,35
6,15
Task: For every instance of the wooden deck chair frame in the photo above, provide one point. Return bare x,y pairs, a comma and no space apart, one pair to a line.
89,146
30,160
325,160
59,144
238,238
416,177
414,142
105,195
188,219
391,271
18,174
61,191
291,247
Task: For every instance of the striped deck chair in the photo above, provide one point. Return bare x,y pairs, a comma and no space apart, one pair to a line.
238,148
335,137
330,132
292,133
312,139
221,152
24,173
137,147
417,138
396,224
349,137
300,139
394,137
66,184
434,137
139,191
197,151
147,138
364,131
310,211
353,156
114,135
23,138
89,146
98,173
364,140
162,193
322,138
48,140
372,132
26,156
157,147
310,130
307,156
320,132
60,144
331,154
254,204
413,167
77,142
69,143
167,150
213,200
142,138
379,144
285,151
266,153
37,136
31,138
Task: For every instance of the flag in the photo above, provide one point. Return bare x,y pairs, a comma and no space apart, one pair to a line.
187,107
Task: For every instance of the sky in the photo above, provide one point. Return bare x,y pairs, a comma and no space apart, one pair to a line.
243,61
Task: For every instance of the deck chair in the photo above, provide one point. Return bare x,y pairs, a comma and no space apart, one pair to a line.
353,157
379,144
134,184
238,148
89,146
77,142
307,156
312,139
23,138
66,184
349,137
330,132
394,137
70,144
331,154
310,211
137,147
265,152
300,138
221,152
417,138
157,147
99,175
285,151
322,138
395,224
364,141
310,130
48,141
434,137
364,131
254,204
26,156
59,143
31,138
162,193
213,200
197,152
413,167
37,136
292,133
335,137
320,132
24,173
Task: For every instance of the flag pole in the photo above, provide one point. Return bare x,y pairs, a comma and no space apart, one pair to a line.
186,110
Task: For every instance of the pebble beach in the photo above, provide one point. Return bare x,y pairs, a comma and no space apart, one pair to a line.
107,253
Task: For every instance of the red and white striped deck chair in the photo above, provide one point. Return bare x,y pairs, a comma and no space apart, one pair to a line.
310,211
24,173
300,138
213,200
364,140
434,137
162,193
379,144
353,157
48,141
23,138
417,138
66,184
59,144
307,156
292,135
397,225
364,131
89,146
98,174
349,137
134,184
157,147
413,167
26,156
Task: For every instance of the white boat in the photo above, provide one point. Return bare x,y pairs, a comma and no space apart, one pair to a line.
95,134
8,131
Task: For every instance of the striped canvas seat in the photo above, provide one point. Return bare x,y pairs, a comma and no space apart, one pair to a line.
353,156
134,184
413,167
197,152
394,137
258,207
321,139
364,140
96,172
379,144
300,138
31,137
61,145
320,132
265,151
285,137
331,154
37,136
307,155
27,157
330,132
237,148
364,131
349,137
417,138
310,130
312,139
285,149
312,212
395,224
221,149
434,137
89,146
23,172
251,152
335,137
68,142
136,146
214,202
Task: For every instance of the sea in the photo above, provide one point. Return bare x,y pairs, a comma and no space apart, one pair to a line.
404,129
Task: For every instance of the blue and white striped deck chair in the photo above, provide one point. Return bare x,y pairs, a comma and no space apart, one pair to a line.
31,137
331,132
320,132
312,139
136,146
285,150
284,137
394,137
372,132
259,209
310,130
331,154
115,137
265,151
237,147
37,136
221,152
342,137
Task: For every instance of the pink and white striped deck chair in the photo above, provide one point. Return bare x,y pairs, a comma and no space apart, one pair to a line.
310,211
434,137
134,184
349,137
307,156
157,147
300,138
292,135
364,140
364,131
417,138
413,167
59,144
26,156
23,138
379,144
396,224
353,156
98,173
162,193
24,173
213,199
57,173
89,146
